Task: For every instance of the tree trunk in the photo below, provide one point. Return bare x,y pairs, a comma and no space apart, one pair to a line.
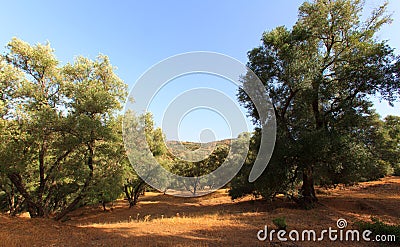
81,194
128,195
195,185
18,203
70,207
308,197
32,207
11,200
138,192
132,192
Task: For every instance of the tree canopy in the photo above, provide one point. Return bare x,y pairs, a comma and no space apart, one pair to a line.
59,127
319,75
62,141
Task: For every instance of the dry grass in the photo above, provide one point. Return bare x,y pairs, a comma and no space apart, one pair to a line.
213,220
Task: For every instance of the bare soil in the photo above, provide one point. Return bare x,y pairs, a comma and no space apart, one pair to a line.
212,220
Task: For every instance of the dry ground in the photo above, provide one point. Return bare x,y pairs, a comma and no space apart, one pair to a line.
212,220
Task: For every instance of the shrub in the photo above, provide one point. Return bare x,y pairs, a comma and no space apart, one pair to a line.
396,169
280,223
378,227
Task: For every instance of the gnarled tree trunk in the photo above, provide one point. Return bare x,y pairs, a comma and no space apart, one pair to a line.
308,197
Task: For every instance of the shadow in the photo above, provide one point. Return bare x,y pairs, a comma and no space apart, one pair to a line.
159,206
212,220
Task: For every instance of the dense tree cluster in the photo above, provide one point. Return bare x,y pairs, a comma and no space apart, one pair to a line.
61,141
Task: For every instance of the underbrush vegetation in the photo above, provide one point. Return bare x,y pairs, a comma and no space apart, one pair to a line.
378,227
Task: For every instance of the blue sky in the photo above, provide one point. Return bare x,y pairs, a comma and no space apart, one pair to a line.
138,34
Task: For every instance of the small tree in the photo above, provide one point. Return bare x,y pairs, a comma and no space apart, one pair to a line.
200,168
135,125
389,144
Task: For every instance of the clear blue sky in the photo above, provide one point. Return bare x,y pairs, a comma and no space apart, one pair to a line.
138,34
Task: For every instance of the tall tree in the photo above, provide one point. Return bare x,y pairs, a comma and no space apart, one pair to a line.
319,75
57,121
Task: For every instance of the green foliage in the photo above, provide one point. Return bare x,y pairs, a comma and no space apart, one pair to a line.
60,143
154,137
277,178
318,75
196,169
389,146
396,170
108,178
280,223
200,168
378,227
356,157
137,147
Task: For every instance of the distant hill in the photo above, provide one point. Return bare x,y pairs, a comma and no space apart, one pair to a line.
197,145
203,150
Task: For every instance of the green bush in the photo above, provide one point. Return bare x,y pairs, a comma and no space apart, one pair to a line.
280,223
396,169
378,227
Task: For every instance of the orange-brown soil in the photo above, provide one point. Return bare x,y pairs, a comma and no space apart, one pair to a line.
212,220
